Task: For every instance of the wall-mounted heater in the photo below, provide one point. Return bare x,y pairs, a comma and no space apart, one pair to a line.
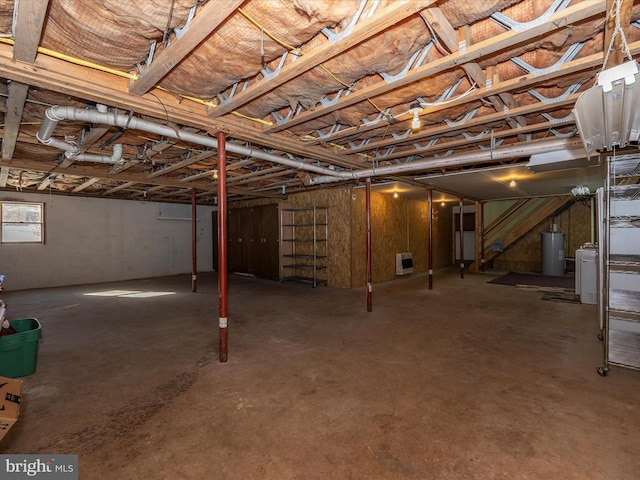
404,263
608,114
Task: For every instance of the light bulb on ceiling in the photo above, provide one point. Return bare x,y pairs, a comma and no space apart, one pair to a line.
442,204
395,194
415,110
512,183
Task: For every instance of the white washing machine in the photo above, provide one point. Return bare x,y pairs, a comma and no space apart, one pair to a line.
587,275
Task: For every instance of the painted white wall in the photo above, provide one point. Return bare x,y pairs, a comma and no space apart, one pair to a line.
90,240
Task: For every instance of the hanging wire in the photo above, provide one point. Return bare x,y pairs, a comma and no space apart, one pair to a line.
166,28
617,31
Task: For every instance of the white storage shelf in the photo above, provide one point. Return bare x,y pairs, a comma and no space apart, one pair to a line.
621,250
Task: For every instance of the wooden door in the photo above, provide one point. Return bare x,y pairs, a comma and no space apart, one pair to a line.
266,254
234,240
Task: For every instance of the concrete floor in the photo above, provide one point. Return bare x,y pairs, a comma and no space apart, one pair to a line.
468,381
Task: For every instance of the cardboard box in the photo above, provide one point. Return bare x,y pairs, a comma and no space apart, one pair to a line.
10,394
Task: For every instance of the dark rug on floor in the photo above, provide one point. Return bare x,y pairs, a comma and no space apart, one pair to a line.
515,278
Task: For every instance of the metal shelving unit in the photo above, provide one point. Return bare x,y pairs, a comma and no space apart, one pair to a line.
620,250
304,240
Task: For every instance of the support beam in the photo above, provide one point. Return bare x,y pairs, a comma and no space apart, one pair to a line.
222,246
482,49
194,238
395,13
461,237
537,107
182,164
369,254
208,18
430,226
13,118
28,31
86,184
482,265
573,67
46,182
4,176
454,40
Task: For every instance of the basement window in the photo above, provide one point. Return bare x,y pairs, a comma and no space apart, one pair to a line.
22,222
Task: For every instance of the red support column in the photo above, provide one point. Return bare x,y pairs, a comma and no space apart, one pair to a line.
369,266
194,236
222,245
482,265
461,237
430,224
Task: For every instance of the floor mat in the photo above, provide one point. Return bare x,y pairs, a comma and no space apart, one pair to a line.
561,296
515,278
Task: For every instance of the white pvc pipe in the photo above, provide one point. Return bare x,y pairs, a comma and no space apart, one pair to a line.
57,113
115,157
506,153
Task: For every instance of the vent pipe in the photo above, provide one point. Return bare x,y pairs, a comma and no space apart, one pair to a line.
55,114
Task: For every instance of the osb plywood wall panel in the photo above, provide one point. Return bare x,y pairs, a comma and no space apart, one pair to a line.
397,225
338,202
526,254
442,235
418,234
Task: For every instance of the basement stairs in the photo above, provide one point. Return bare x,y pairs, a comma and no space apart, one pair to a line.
524,215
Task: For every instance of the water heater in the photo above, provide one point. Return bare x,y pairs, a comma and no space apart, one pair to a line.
553,261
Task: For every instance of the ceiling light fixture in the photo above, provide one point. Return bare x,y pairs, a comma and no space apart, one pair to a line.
512,183
608,114
415,109
395,194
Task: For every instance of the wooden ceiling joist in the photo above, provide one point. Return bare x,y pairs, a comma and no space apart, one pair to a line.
207,19
394,13
571,14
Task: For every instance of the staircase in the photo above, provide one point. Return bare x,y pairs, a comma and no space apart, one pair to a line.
517,221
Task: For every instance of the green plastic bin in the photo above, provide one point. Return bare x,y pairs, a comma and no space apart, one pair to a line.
19,351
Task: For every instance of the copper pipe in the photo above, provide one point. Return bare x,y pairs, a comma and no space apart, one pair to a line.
194,235
222,244
369,263
461,237
430,224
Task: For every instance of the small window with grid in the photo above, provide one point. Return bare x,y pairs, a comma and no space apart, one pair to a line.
22,222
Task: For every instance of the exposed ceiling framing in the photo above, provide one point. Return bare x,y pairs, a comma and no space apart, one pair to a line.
326,83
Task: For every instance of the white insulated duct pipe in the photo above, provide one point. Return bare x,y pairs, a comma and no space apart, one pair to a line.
58,113
115,157
471,158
